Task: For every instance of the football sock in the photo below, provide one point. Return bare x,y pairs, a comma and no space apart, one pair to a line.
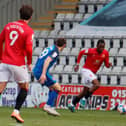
75,100
88,94
52,98
20,98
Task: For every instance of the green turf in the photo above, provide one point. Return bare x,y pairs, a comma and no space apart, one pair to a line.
36,117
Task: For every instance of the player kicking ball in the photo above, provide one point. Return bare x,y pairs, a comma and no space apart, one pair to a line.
95,58
41,72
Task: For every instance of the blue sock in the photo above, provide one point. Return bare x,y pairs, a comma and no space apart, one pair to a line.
52,97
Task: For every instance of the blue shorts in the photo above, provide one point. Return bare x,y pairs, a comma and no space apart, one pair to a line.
50,80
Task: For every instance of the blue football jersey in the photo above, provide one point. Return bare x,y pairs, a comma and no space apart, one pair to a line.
52,52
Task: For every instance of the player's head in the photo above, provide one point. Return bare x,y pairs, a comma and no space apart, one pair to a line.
26,12
60,43
100,45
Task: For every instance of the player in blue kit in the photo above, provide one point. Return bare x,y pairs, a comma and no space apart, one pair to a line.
46,60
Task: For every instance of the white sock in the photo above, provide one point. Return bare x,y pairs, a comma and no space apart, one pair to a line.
16,111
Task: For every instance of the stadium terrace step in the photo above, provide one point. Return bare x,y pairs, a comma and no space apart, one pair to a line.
72,1
41,29
66,7
61,11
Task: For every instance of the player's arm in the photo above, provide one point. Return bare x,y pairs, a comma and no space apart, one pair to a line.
81,53
107,63
46,64
2,39
29,56
28,47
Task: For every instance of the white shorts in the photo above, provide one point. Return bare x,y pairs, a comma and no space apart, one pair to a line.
10,73
87,77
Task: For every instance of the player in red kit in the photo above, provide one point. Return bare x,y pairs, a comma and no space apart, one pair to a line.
16,41
95,58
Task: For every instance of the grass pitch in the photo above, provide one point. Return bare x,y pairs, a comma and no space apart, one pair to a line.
37,117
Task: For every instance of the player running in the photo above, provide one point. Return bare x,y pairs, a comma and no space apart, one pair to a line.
41,71
95,58
16,41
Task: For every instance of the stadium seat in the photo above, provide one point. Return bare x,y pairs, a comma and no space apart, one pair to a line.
87,15
79,43
123,72
66,51
42,43
69,17
82,61
113,51
90,8
52,69
107,43
81,9
99,6
124,43
44,34
87,43
62,60
66,25
116,43
59,69
113,80
78,17
120,61
72,60
104,80
122,80
65,78
69,43
56,77
34,59
74,79
100,70
111,60
60,16
37,51
116,69
68,69
122,52
36,34
74,51
53,33
50,42
57,25
106,70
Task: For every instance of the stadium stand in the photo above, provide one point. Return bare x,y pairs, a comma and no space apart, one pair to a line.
63,17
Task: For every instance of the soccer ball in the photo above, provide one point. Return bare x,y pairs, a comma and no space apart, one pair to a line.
121,108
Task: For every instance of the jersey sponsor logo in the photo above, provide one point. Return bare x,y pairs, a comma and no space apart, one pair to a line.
54,55
103,55
32,37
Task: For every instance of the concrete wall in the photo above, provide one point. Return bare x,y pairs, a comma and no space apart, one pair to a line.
9,9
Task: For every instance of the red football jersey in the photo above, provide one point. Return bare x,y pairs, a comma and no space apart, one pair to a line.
94,60
18,38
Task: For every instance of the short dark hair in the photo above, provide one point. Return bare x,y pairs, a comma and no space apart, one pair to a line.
60,42
100,41
26,12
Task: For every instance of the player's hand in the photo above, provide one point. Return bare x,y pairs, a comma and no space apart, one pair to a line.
76,68
30,68
42,79
110,64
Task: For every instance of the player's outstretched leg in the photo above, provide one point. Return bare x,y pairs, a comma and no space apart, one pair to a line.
72,105
49,107
19,101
